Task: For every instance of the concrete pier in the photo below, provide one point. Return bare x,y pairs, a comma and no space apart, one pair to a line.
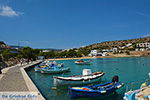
15,79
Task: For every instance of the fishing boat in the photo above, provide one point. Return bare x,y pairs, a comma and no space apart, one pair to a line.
48,66
86,78
37,69
139,94
95,90
55,70
82,62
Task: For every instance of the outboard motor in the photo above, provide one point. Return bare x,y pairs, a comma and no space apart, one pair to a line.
115,78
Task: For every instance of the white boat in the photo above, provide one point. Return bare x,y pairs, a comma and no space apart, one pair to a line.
81,62
86,78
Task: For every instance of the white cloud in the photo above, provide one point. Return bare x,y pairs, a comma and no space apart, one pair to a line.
8,11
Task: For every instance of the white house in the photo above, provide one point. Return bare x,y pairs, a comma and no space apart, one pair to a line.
46,50
93,53
142,46
114,50
96,53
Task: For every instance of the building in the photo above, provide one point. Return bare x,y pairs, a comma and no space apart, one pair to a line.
142,46
96,53
40,58
46,51
110,50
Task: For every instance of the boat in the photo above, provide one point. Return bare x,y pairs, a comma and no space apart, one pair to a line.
47,66
95,90
140,94
82,62
55,70
37,69
86,78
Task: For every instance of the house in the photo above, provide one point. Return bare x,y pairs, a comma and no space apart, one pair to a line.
40,58
96,53
142,46
46,51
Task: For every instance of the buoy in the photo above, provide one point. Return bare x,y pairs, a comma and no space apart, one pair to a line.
149,75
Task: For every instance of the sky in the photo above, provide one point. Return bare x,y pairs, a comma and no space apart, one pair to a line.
63,24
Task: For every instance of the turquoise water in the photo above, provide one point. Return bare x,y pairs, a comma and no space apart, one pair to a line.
128,69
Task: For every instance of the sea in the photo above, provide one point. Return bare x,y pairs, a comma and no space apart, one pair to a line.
132,71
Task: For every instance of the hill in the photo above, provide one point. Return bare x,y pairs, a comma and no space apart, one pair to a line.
117,43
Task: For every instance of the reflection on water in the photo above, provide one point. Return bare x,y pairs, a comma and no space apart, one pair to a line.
128,69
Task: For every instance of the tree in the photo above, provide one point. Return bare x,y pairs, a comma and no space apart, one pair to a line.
28,53
7,54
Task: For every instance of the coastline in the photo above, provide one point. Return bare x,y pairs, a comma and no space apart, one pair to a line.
87,57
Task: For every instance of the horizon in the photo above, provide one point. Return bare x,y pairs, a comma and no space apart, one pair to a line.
72,24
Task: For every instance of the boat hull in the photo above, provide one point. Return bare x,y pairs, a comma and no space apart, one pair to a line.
58,82
87,92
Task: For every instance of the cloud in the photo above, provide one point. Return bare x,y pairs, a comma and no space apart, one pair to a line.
143,14
8,11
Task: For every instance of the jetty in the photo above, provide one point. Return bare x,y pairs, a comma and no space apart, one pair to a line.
15,79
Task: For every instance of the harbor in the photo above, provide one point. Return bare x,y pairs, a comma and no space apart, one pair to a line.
132,76
74,50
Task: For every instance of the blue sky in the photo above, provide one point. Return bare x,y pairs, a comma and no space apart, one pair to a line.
72,23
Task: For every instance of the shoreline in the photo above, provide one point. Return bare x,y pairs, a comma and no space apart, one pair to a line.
114,56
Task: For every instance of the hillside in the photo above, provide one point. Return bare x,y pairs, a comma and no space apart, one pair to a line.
117,43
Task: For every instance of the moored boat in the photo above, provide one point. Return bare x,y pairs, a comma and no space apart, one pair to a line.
78,79
55,70
94,90
48,65
82,62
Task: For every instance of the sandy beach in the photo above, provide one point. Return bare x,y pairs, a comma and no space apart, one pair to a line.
87,57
